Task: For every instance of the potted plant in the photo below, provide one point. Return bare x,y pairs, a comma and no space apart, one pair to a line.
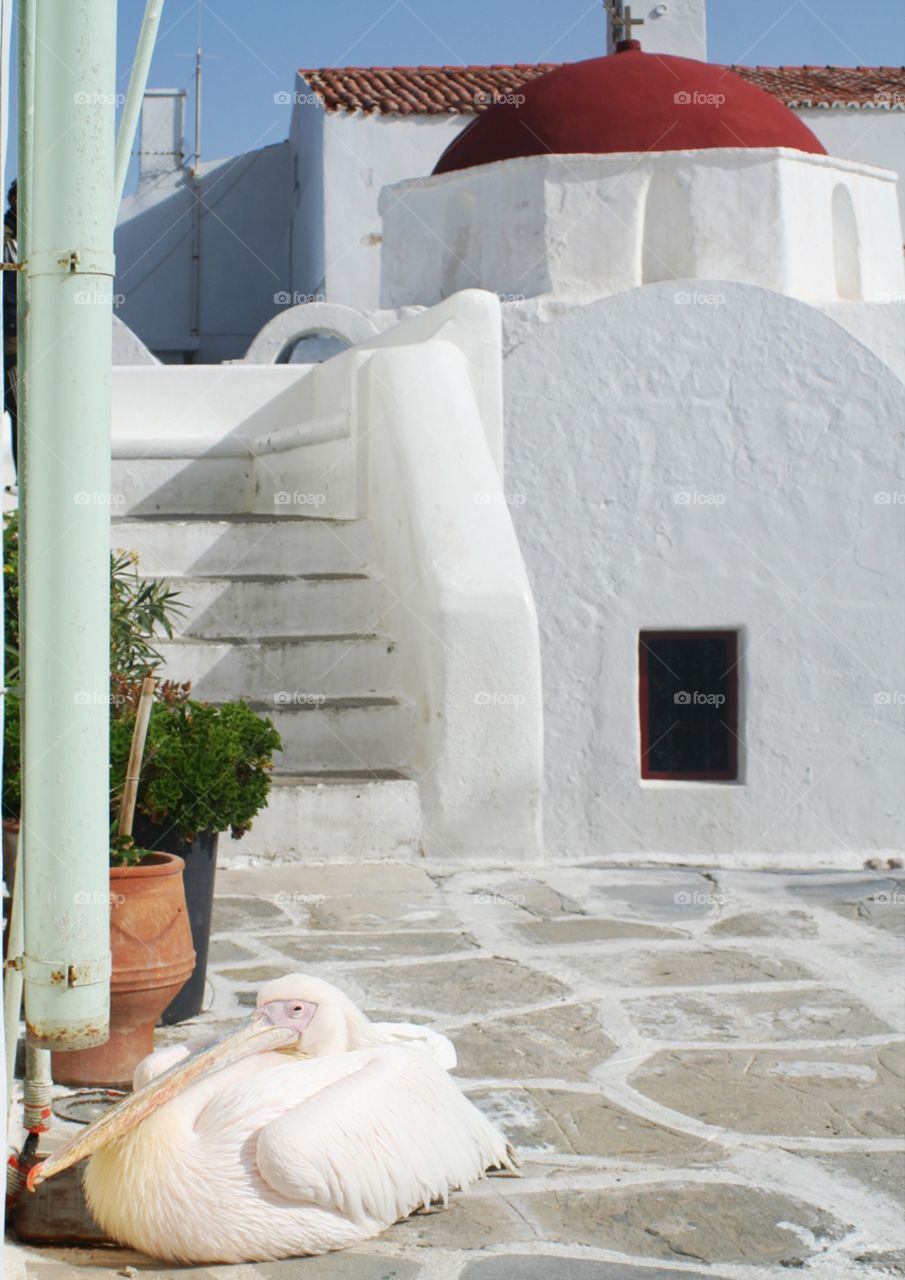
139,611
150,938
205,770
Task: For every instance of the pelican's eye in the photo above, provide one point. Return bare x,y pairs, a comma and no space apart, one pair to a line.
297,1011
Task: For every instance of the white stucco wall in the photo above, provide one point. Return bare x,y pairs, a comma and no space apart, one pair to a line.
244,255
582,227
678,27
154,262
734,462
874,136
306,146
362,155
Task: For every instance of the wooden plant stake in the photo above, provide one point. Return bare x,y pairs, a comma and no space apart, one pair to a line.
136,754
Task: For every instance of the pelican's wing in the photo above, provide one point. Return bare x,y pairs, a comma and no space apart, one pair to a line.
409,1033
162,1059
393,1134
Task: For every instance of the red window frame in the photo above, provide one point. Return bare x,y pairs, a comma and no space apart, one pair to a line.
730,774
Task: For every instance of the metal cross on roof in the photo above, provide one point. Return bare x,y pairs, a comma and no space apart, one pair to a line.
622,20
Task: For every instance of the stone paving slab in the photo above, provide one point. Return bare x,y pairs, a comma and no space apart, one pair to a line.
543,1121
718,1223
546,1268
564,1042
757,924
692,967
704,1073
461,986
828,1092
757,1016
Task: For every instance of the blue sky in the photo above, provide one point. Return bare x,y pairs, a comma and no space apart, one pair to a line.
253,46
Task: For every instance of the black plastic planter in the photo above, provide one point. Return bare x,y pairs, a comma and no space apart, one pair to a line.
200,869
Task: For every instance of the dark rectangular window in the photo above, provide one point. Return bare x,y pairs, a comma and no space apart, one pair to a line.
688,689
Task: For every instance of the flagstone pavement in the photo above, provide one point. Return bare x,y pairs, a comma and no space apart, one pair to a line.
703,1072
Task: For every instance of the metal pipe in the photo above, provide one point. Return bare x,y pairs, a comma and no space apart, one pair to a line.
6,9
66,550
25,36
12,977
138,82
196,210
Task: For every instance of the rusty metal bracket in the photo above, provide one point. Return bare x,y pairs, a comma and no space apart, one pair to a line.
58,973
71,262
13,266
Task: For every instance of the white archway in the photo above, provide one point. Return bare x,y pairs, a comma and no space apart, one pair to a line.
846,245
667,247
322,318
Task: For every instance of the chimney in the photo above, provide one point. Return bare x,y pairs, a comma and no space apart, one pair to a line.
161,148
677,27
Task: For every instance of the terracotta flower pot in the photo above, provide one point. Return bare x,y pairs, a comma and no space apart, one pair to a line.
153,956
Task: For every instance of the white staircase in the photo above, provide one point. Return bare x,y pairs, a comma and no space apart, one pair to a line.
341,540
288,612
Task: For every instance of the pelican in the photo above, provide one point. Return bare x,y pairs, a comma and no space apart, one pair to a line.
307,1129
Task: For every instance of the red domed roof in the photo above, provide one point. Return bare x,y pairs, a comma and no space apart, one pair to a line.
630,101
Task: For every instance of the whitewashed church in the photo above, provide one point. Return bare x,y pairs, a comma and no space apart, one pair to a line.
536,459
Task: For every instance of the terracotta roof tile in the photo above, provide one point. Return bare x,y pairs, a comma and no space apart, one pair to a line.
438,91
831,86
432,91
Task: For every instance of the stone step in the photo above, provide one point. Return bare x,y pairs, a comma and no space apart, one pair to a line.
345,817
283,672
254,608
371,733
220,546
155,486
324,483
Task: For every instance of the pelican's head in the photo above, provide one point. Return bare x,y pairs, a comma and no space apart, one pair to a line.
295,1015
326,1019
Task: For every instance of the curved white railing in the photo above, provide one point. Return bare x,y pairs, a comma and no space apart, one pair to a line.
463,612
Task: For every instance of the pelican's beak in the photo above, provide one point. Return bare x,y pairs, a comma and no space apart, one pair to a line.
256,1035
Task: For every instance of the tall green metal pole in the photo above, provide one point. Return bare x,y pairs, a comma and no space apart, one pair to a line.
66,548
138,82
25,89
